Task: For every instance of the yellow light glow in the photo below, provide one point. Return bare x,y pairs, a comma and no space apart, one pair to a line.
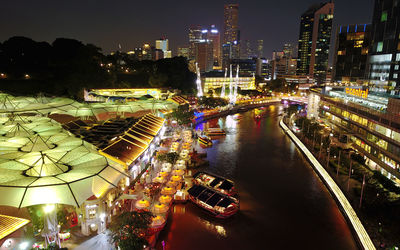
49,208
10,224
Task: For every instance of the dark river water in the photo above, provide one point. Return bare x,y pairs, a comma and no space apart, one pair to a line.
283,204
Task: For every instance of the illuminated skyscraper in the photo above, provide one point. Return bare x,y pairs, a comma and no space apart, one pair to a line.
214,36
288,50
260,48
351,52
384,54
195,35
162,44
231,30
314,41
183,51
204,55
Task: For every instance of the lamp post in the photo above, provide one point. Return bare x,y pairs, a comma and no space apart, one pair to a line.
362,191
351,164
338,164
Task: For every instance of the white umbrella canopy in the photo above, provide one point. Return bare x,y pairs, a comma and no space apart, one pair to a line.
56,168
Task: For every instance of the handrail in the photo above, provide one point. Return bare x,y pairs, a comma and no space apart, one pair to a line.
341,199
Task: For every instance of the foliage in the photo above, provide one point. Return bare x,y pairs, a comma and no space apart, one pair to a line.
358,158
280,85
128,229
292,109
68,66
36,213
170,157
212,102
183,114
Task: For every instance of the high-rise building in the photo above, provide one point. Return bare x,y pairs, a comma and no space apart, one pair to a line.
231,30
314,41
184,51
277,55
384,55
351,51
247,51
288,50
260,48
196,34
214,36
204,55
162,44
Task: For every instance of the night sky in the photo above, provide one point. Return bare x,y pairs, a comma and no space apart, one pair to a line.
107,23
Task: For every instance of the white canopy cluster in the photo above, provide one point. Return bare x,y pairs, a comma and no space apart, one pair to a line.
42,163
60,105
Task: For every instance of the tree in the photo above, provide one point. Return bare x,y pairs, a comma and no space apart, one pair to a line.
212,102
183,114
128,229
168,157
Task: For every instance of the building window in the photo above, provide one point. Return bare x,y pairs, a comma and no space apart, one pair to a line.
384,16
379,48
395,76
398,57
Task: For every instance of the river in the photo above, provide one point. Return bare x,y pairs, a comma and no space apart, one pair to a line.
283,204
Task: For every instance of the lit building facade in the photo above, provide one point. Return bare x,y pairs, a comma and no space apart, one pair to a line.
184,51
371,122
351,51
215,82
314,41
162,44
214,36
384,55
204,55
247,67
195,35
231,30
260,48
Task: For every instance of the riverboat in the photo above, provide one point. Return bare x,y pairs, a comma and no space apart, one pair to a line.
215,182
205,141
215,132
218,204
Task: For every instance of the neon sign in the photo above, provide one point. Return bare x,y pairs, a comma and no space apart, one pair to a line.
357,92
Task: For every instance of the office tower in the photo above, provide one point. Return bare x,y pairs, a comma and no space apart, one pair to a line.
277,55
231,31
247,51
260,48
384,56
288,50
162,44
184,51
147,52
214,36
247,67
351,51
195,35
204,55
314,41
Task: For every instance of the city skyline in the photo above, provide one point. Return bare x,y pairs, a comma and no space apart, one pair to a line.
123,25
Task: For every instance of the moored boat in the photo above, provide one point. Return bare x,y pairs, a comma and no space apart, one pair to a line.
215,132
215,182
205,141
218,204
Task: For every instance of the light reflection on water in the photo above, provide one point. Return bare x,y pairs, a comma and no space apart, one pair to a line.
283,204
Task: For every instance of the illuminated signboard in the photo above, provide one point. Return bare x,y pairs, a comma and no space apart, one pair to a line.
357,92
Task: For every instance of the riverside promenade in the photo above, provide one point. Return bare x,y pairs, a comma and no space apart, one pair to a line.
358,229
